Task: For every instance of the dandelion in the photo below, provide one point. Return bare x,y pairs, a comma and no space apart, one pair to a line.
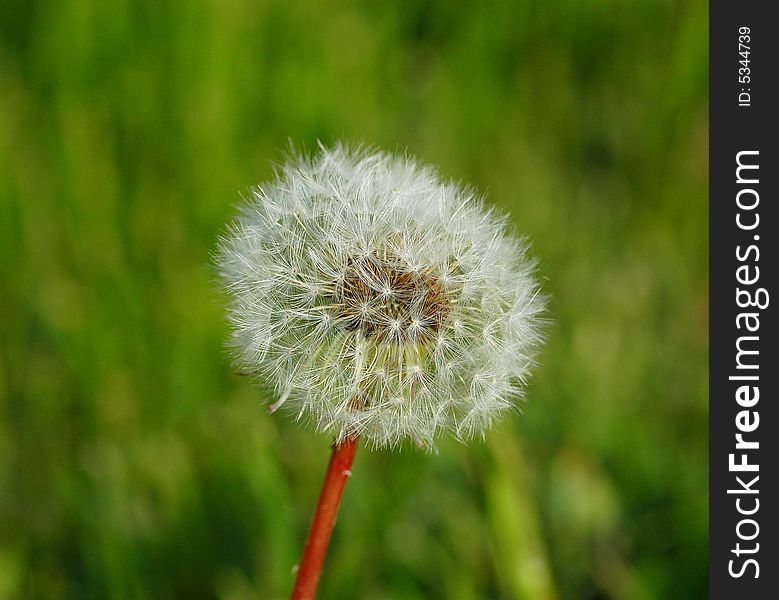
382,303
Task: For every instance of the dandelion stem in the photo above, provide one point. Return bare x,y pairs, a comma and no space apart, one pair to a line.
338,471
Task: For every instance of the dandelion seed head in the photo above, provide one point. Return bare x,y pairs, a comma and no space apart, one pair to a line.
380,300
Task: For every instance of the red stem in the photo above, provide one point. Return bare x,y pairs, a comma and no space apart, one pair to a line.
314,552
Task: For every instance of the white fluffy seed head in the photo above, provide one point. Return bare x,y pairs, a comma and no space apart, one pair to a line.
380,300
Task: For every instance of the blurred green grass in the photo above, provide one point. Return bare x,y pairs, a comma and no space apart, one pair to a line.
135,464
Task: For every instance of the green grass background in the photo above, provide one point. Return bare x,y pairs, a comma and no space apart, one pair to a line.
135,464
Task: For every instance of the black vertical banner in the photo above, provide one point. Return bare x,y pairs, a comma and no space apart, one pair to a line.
744,260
